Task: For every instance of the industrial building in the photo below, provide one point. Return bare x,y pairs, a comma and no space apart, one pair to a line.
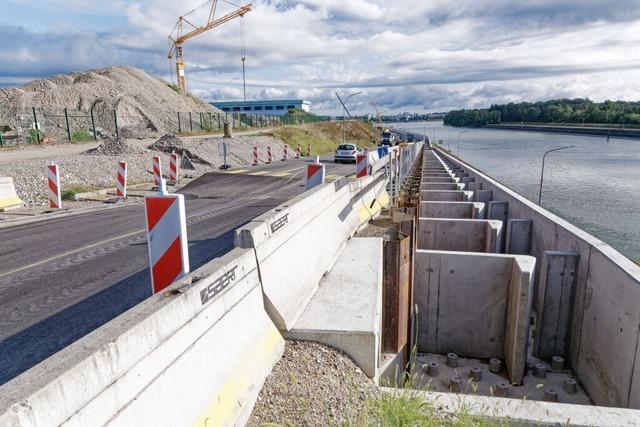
271,107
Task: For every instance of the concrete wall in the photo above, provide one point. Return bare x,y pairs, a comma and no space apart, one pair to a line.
197,354
467,235
441,186
445,196
604,333
476,305
468,210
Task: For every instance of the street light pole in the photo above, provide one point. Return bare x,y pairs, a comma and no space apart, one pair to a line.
344,109
542,171
460,133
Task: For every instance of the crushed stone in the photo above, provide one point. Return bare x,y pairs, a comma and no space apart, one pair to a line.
312,385
113,147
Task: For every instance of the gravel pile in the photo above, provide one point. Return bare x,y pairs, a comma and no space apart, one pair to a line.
383,227
168,143
312,385
114,147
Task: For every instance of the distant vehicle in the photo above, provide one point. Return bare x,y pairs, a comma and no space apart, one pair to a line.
388,138
346,153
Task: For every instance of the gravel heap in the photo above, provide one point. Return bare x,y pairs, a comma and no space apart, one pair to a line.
168,143
383,227
113,147
312,385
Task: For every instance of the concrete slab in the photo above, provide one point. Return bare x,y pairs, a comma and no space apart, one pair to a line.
468,210
518,239
466,235
441,186
8,197
345,312
446,196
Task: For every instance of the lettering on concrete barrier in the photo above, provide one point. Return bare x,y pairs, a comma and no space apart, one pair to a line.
218,285
279,223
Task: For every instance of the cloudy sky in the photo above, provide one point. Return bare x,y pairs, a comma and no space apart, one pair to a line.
406,55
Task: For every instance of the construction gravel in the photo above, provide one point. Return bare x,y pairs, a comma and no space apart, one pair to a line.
312,385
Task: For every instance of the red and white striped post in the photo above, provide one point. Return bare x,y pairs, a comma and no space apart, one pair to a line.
269,155
285,154
255,156
365,150
157,171
361,165
53,181
315,175
174,168
166,238
308,150
298,151
121,179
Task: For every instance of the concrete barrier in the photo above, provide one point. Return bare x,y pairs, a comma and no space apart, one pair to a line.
440,179
604,341
445,196
297,243
518,239
467,235
196,355
8,197
477,305
468,210
439,186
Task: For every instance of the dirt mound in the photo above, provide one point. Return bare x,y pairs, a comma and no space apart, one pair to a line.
168,143
143,104
113,147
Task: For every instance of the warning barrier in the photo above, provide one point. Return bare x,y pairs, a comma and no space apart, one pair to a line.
121,179
298,151
315,175
167,238
308,150
269,155
8,197
173,168
161,362
285,154
53,179
255,156
157,171
361,165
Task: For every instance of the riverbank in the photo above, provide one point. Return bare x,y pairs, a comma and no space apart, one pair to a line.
574,130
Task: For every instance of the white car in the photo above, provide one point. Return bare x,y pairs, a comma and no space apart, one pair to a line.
346,153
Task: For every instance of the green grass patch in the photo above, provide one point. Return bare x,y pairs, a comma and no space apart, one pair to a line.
70,193
81,135
35,136
174,87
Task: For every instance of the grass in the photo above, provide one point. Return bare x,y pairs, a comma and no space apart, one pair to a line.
174,87
324,137
70,193
81,135
34,135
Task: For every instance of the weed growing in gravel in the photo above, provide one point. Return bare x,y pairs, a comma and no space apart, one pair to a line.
70,193
81,135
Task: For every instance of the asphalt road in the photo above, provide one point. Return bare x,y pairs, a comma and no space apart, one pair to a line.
61,278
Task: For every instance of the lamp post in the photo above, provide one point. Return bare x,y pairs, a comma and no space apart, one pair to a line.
544,156
344,110
458,144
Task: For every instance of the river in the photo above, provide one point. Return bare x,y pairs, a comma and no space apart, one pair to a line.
595,185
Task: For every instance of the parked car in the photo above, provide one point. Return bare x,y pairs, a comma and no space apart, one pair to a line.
346,153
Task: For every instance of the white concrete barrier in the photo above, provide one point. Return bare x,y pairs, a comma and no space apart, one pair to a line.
8,197
196,354
297,243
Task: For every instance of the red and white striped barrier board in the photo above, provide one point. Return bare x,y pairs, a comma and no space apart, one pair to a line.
174,167
298,151
365,150
53,181
285,154
166,238
361,165
269,155
121,179
315,175
255,156
157,171
308,150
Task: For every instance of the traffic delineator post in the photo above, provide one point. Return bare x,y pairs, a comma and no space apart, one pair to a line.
166,238
157,171
269,155
308,150
361,165
315,175
298,151
255,156
53,182
121,179
174,168
285,153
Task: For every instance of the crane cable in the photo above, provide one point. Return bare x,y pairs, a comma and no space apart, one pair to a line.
243,57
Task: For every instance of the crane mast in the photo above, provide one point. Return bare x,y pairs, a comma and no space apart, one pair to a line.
178,37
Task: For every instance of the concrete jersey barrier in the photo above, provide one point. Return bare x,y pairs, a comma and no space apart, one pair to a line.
297,243
8,197
197,355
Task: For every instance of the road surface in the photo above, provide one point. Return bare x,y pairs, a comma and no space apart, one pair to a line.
61,278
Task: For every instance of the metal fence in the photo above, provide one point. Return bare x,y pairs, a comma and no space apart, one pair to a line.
37,125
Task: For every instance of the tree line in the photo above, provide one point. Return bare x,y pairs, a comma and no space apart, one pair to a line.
562,111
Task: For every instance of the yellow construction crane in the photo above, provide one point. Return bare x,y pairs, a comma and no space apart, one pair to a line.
178,37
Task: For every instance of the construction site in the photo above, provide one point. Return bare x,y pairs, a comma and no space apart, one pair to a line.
168,263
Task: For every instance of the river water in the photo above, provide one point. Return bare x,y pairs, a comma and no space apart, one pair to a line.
595,185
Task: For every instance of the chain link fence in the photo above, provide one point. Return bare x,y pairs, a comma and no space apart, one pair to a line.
37,125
